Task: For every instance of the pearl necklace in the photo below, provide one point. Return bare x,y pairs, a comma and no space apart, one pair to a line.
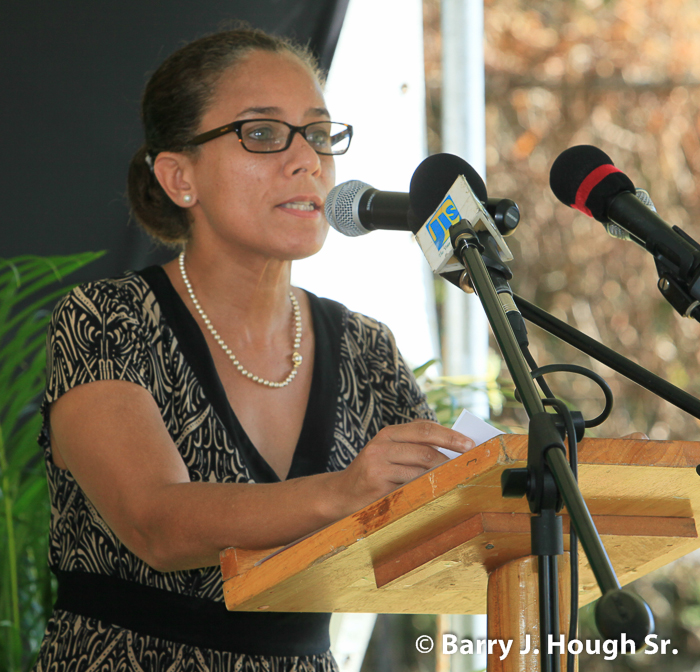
296,357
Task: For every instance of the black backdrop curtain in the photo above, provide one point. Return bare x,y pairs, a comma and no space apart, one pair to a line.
72,76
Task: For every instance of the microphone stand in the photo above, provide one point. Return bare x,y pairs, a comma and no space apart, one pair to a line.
637,374
547,481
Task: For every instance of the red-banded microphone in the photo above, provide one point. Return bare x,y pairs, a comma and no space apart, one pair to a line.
585,178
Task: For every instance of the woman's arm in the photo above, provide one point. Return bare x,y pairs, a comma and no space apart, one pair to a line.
111,437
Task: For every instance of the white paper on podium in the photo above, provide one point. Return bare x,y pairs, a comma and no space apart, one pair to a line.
475,428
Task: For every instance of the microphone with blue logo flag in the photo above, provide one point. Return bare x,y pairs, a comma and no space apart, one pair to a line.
462,194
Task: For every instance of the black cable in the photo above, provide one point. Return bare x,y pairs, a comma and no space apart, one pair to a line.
538,374
573,539
533,367
574,368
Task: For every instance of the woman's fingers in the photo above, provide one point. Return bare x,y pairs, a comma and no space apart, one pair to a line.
414,455
428,433
396,455
399,474
400,453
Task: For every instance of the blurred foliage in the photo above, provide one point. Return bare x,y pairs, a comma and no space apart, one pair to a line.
446,394
624,76
26,589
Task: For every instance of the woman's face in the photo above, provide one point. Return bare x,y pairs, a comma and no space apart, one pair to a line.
264,204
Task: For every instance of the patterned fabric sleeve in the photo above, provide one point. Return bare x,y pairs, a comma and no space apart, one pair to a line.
381,377
403,399
94,335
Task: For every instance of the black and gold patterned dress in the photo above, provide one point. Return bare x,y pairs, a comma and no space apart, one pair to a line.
113,611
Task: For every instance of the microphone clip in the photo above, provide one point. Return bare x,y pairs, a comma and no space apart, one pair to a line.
678,296
462,234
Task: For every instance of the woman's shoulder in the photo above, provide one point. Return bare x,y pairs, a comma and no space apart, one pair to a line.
125,288
370,332
100,330
348,322
359,334
125,298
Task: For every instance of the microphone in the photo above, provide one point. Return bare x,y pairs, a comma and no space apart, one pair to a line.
584,178
445,189
434,178
618,232
441,199
355,208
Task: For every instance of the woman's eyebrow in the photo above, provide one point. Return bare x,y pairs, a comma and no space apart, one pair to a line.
260,110
318,112
311,112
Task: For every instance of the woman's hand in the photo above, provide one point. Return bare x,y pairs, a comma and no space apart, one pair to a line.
396,455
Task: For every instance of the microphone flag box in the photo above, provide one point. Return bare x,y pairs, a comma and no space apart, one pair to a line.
434,236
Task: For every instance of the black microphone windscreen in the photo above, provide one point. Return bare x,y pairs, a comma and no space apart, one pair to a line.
585,178
433,178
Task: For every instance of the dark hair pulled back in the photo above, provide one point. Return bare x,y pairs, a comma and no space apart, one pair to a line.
175,99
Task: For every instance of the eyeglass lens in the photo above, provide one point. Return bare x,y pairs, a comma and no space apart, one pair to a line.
326,137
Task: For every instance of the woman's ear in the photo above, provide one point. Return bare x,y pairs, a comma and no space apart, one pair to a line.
172,170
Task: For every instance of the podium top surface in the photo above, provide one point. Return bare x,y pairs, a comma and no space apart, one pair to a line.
428,546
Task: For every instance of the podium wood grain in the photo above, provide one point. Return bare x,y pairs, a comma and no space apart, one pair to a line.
513,613
429,546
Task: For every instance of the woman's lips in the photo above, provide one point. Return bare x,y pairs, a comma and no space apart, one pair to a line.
302,207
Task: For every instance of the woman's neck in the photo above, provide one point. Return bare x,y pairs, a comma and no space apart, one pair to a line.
242,289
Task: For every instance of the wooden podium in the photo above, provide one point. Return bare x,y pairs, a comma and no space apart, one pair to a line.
448,542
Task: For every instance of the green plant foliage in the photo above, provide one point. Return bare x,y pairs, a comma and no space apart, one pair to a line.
26,596
448,395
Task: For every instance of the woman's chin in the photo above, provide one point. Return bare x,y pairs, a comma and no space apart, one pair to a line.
306,243
299,252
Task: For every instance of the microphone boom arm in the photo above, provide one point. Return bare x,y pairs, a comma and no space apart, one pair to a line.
637,374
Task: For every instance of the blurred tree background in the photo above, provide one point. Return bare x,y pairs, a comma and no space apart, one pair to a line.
624,76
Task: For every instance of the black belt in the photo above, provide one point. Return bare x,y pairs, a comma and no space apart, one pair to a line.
190,620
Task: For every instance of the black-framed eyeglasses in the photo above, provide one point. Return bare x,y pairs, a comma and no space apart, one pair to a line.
267,136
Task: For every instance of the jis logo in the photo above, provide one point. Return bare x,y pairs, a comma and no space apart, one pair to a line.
445,217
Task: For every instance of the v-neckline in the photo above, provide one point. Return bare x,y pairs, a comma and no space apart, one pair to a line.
315,439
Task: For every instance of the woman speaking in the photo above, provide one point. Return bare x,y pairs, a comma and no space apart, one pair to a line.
208,403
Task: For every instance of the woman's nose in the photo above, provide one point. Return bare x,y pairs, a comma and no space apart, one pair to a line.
303,154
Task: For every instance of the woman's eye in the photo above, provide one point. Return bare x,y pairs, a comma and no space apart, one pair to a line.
261,133
318,137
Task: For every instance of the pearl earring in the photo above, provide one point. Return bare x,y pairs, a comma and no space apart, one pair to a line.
187,198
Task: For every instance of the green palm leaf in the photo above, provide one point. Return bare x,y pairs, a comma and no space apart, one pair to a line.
26,295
